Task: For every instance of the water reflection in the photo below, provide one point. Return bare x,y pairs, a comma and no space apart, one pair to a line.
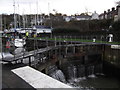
56,73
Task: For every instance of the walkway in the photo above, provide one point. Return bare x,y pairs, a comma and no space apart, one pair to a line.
37,79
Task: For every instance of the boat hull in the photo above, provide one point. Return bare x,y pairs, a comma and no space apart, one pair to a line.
19,42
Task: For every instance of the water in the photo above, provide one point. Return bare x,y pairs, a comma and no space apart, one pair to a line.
73,73
88,76
99,82
77,78
57,74
91,71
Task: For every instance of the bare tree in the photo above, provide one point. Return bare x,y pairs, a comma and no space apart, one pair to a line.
118,3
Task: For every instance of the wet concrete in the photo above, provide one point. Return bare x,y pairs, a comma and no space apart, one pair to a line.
10,80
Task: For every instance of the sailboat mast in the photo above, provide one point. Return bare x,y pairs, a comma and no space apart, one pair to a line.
30,15
1,22
49,15
19,16
1,36
37,13
14,16
23,20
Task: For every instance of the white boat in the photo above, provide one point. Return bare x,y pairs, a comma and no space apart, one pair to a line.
19,50
19,42
5,55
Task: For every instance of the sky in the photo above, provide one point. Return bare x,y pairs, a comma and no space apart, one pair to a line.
69,7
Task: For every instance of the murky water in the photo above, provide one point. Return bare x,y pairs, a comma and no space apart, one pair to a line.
89,77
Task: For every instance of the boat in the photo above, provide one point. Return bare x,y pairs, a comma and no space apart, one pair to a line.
19,51
19,42
5,55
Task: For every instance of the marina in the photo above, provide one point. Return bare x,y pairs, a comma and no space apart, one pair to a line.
57,50
81,57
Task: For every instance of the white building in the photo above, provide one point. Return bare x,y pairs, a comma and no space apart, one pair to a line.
94,16
116,18
82,17
67,19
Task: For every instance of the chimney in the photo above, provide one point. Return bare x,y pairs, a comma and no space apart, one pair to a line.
113,9
104,12
108,10
118,12
117,7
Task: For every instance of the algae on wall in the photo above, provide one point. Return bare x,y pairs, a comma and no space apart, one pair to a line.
112,56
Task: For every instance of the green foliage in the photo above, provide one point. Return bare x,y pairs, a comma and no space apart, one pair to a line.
83,27
65,30
95,25
116,26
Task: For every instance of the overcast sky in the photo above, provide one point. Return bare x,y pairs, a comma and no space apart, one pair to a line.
61,6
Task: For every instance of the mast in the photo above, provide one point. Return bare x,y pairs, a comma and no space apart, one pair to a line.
1,22
23,19
19,17
1,35
37,13
35,19
50,18
30,15
14,16
49,15
4,21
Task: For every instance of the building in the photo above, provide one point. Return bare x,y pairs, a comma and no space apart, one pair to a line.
67,18
111,14
82,17
94,16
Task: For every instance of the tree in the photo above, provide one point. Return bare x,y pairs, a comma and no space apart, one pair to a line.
116,26
118,3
